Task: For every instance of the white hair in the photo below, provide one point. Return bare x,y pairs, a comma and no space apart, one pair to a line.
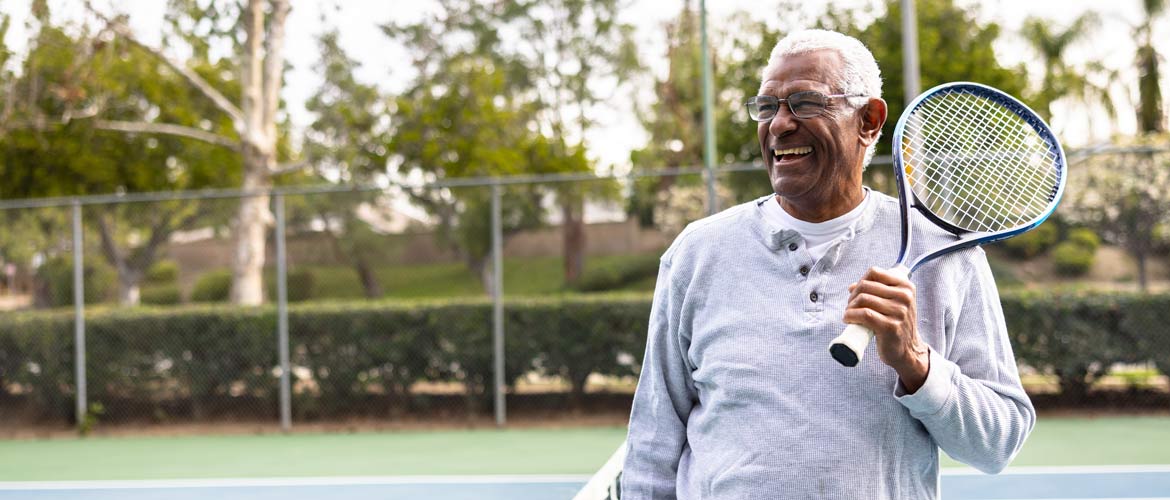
859,73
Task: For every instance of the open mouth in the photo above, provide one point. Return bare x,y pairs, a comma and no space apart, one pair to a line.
791,154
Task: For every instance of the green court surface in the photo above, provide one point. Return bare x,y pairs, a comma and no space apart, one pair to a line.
1056,441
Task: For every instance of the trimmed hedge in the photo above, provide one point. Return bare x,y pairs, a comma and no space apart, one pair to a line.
194,361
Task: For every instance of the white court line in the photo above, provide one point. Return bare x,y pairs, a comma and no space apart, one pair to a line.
488,479
1060,469
288,481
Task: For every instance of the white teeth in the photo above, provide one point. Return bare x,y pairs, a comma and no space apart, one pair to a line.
803,150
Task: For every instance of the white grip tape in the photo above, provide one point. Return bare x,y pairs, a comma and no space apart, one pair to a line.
856,337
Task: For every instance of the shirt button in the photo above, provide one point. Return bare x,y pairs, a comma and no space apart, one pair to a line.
804,270
793,246
812,296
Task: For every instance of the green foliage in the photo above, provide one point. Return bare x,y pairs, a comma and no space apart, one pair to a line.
187,358
160,295
1060,78
300,283
59,141
1077,336
163,272
616,274
55,282
955,43
1124,197
481,107
1034,242
89,421
1005,275
212,286
1084,238
1072,259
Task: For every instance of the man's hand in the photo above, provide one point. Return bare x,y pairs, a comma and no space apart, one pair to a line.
883,301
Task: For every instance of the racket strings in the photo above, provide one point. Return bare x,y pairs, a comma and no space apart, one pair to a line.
976,164
970,188
966,188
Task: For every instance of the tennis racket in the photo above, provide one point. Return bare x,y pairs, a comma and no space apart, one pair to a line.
606,483
977,163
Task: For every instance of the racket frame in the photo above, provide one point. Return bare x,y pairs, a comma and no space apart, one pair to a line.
967,238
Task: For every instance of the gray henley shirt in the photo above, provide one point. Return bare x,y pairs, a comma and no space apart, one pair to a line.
738,397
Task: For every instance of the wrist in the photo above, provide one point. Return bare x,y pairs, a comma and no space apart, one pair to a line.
912,373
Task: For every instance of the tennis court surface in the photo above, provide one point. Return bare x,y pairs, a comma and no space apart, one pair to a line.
1101,482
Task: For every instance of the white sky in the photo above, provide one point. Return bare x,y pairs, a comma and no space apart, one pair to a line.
617,130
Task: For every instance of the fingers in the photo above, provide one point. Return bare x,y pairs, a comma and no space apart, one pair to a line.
882,300
891,277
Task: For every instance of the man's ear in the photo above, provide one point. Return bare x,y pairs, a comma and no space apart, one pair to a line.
873,117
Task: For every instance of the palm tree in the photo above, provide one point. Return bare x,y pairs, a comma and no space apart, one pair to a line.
1149,111
1062,80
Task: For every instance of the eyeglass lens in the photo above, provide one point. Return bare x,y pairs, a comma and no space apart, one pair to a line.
805,104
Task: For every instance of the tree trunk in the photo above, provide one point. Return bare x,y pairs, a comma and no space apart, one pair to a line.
573,230
1143,280
483,268
250,230
260,81
129,291
366,274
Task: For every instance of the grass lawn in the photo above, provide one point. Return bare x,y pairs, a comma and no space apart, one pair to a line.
534,276
1056,441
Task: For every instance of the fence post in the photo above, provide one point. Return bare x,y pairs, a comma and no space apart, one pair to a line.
708,116
282,318
79,315
498,307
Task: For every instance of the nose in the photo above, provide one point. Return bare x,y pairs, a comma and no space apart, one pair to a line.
783,122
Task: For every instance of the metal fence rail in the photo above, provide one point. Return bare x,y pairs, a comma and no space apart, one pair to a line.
351,242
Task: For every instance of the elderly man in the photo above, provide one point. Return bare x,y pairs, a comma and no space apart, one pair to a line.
738,396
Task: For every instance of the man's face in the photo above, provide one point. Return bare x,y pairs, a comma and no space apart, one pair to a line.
814,163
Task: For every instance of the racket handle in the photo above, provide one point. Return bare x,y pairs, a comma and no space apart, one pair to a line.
849,347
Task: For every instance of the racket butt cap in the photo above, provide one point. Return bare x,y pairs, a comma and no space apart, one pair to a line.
844,355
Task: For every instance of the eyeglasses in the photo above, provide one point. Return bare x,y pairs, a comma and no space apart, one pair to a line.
806,104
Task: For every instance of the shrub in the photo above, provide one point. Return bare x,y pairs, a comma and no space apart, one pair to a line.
164,272
1075,336
212,286
301,285
160,295
55,282
195,359
1085,238
1072,259
616,274
1034,242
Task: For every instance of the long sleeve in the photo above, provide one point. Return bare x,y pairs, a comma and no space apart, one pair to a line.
973,403
662,402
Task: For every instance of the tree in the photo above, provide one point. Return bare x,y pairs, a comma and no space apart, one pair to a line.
589,46
1059,78
53,147
953,42
674,120
482,107
1125,197
1151,118
347,142
460,123
256,31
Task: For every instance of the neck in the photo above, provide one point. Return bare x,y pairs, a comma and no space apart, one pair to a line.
819,210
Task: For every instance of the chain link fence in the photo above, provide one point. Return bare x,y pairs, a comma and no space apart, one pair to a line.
390,304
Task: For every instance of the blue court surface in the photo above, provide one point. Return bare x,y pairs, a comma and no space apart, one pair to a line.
1022,483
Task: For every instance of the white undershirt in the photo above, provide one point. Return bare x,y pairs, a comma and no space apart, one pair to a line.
818,236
